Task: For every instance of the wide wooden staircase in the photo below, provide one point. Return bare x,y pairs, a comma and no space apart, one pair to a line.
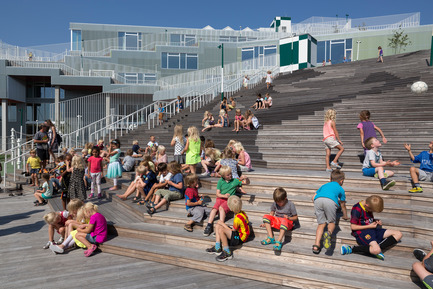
287,151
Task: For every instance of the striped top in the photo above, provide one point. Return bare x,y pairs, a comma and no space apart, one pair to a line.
360,216
241,224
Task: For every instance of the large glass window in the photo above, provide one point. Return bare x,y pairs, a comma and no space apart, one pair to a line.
179,60
259,56
139,78
129,40
12,113
76,40
334,50
183,39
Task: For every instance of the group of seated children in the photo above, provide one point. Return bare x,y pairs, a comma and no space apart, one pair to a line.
262,103
241,121
80,226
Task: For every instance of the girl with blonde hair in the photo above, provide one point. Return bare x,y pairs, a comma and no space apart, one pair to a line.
244,160
178,142
192,149
331,139
212,155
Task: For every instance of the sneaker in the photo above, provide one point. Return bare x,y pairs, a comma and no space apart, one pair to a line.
224,256
327,240
346,250
380,256
208,230
416,190
388,185
90,196
335,165
329,170
419,254
213,250
384,174
60,241
99,196
47,245
205,174
56,249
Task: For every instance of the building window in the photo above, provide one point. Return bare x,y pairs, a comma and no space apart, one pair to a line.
12,113
183,39
259,56
139,78
129,40
179,60
76,40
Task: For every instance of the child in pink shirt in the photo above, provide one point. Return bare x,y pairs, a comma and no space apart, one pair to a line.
331,139
95,171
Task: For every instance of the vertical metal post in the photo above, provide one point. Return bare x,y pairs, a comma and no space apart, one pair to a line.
57,105
431,51
357,50
222,69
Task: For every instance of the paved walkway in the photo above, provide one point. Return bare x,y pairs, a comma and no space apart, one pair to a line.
23,262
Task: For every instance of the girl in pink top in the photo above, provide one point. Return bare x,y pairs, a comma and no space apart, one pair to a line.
331,139
161,156
94,170
244,160
95,232
239,118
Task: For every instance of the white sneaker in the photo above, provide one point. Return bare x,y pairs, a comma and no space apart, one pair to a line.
60,241
205,174
47,245
56,249
335,165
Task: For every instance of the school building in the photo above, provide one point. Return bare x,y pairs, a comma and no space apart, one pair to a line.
116,69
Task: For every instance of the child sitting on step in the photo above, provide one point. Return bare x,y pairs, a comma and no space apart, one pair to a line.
194,202
327,200
230,237
425,171
374,164
331,139
45,193
174,191
368,231
161,182
283,214
424,268
227,186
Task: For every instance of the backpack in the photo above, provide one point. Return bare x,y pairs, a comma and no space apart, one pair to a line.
255,122
59,138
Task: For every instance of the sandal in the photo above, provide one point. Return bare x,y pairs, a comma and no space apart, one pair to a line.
278,246
151,211
150,205
142,202
268,241
316,249
136,200
188,228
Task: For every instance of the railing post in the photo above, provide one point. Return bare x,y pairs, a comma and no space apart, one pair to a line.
19,153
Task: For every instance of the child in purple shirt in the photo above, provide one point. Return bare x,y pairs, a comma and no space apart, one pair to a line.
367,129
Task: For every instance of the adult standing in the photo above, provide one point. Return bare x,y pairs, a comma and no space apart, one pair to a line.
53,146
41,140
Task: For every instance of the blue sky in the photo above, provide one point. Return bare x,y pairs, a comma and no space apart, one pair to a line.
34,23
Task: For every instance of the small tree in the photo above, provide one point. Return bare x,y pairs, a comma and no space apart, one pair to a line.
399,40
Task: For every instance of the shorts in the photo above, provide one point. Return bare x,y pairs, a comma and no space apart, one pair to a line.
244,168
278,222
369,172
425,176
325,210
91,239
221,202
46,197
365,237
34,171
428,281
42,154
180,159
169,195
330,143
235,240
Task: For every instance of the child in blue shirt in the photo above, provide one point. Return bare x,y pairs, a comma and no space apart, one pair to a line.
327,200
425,171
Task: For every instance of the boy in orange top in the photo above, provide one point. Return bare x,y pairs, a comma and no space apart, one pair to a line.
236,235
283,214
